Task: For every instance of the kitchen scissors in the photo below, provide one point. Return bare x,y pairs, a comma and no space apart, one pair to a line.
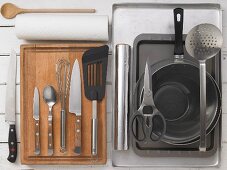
147,117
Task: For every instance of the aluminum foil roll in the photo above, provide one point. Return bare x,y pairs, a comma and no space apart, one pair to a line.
121,100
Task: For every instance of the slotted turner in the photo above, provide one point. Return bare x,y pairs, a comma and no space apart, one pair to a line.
94,73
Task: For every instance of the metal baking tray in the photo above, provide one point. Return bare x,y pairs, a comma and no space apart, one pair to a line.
159,47
132,19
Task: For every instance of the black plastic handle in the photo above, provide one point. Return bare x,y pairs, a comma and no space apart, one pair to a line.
153,126
178,26
12,142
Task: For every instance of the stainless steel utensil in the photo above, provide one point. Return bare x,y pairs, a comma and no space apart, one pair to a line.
10,107
75,103
121,92
203,42
63,76
182,76
148,117
36,118
49,97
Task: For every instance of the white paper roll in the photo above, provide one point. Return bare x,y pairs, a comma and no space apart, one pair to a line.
62,27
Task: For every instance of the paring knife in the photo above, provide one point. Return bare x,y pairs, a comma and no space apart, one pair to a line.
10,107
36,118
75,103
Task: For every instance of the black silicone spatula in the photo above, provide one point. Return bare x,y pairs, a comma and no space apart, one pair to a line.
94,72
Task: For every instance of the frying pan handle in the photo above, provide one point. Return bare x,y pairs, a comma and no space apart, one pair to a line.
178,26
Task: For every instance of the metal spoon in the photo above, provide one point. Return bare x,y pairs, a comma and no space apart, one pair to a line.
9,10
50,98
203,42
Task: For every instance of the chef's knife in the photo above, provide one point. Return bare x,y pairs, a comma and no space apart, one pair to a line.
75,103
36,118
10,107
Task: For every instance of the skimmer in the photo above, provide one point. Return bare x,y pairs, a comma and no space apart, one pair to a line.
203,42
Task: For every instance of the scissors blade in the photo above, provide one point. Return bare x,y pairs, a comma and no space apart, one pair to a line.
148,95
147,80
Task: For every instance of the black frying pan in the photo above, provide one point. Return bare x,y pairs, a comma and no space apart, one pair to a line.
176,93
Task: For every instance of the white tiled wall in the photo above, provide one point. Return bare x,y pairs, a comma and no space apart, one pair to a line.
9,41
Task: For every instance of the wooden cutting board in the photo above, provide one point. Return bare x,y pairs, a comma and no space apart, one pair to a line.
37,64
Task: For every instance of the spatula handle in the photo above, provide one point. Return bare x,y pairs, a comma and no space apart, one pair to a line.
94,128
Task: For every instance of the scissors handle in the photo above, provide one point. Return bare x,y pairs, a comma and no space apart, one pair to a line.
137,120
156,128
153,126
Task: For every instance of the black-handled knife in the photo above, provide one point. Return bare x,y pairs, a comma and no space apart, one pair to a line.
12,142
10,107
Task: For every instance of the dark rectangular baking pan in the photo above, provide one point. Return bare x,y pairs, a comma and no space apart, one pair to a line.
159,47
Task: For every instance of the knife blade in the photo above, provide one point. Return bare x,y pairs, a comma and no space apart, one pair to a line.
75,103
36,118
10,107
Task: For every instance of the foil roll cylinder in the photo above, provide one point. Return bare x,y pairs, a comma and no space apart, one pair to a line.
121,99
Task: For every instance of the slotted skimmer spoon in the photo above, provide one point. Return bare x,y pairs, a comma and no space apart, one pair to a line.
203,42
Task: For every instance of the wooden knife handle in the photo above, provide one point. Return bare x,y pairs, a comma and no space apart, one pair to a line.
50,136
37,138
12,142
77,148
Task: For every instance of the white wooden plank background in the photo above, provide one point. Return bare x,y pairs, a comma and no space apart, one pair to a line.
9,41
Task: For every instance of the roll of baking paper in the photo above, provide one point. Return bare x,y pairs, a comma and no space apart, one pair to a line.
62,27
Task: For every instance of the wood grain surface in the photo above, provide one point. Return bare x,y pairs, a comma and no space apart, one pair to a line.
9,41
37,63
